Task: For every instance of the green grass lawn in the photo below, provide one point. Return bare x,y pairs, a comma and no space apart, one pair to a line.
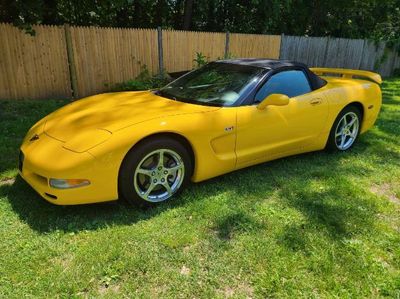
315,225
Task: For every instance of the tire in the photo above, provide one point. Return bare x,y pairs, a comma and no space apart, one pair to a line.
144,179
345,129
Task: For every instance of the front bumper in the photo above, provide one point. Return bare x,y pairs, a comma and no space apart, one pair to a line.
46,158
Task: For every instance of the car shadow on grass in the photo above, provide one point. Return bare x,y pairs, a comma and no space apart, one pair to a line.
340,209
45,217
320,186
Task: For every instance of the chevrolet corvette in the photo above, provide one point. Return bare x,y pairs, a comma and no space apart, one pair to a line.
145,146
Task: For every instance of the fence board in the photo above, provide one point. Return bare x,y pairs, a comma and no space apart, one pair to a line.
370,55
344,53
254,45
180,47
34,67
385,61
372,58
309,50
105,56
396,64
340,53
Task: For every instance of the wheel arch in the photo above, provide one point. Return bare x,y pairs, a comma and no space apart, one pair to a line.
173,135
358,105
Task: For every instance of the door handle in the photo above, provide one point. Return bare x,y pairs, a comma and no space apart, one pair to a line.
315,102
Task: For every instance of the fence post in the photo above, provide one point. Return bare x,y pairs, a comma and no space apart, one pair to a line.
71,61
160,52
326,51
362,55
281,46
226,45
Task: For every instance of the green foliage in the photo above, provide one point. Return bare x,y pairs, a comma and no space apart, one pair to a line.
229,55
144,81
389,28
200,60
396,72
132,85
379,20
382,59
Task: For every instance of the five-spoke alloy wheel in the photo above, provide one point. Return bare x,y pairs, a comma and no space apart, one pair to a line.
345,130
159,175
154,170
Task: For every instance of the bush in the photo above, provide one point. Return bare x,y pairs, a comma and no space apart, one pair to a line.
144,81
200,60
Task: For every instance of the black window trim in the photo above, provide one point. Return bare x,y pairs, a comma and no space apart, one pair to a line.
248,99
277,71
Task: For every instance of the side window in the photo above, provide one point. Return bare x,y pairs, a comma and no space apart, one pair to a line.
291,83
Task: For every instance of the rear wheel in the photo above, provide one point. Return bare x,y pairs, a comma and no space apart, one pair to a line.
345,129
154,171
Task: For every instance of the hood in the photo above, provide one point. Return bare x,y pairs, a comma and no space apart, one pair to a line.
114,111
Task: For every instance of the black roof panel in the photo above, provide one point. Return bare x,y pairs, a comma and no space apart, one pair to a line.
264,63
275,64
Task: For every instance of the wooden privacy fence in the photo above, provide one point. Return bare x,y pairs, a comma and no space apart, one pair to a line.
65,62
33,67
104,56
180,47
254,45
341,53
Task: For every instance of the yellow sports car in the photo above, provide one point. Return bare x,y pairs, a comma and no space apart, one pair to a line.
145,146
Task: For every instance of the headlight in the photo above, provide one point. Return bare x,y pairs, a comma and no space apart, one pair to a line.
68,183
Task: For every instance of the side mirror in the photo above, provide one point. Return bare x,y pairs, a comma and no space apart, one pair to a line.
274,99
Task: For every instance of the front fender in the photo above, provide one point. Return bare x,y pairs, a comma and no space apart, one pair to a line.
212,145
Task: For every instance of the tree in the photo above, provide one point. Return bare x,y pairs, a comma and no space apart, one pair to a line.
375,19
187,17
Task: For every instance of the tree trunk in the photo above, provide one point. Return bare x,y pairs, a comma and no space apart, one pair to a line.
187,16
49,12
177,14
160,12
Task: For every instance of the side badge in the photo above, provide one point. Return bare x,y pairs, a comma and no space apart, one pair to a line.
229,129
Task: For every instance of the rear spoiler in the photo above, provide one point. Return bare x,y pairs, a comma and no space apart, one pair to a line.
349,74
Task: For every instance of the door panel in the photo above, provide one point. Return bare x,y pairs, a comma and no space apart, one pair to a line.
279,129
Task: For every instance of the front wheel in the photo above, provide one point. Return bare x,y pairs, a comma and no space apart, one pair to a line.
154,171
345,129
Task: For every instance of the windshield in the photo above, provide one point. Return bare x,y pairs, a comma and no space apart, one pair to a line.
216,84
